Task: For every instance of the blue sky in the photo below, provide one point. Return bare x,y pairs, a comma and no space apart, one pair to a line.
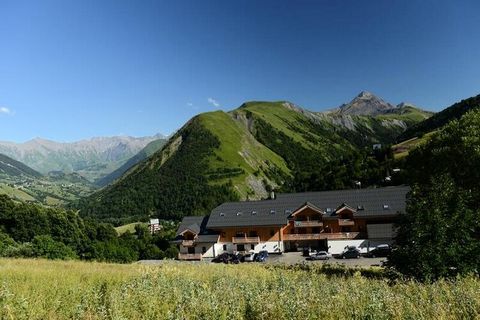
76,69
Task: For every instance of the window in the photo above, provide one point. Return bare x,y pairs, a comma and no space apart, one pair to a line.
240,247
288,211
224,247
252,246
386,207
222,214
204,249
239,213
329,210
191,250
360,207
254,213
272,211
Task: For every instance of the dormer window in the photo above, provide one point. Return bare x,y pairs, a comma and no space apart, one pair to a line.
254,213
239,213
222,214
288,211
272,211
329,210
386,207
360,207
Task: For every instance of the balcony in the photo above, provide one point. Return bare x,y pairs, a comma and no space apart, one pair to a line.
188,243
345,222
307,223
189,256
246,240
320,236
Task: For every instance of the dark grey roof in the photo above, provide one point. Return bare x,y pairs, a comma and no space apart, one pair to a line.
193,223
207,238
275,212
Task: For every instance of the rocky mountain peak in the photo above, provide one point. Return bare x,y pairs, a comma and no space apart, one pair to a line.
365,103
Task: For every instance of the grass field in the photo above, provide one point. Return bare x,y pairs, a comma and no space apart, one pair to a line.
129,227
39,289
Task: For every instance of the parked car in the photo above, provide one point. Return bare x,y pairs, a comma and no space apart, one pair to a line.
261,256
221,258
248,257
350,252
382,250
235,258
320,255
306,252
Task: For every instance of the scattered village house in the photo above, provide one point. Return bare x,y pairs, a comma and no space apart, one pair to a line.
154,225
327,220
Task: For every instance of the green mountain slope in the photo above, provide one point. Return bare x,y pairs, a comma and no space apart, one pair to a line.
149,149
455,111
243,154
11,167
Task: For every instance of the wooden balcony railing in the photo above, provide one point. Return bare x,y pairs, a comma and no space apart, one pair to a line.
309,223
189,256
188,243
345,222
320,236
246,240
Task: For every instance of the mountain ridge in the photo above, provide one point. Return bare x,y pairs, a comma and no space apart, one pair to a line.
243,154
92,158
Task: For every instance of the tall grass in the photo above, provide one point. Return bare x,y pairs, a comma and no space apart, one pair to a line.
39,289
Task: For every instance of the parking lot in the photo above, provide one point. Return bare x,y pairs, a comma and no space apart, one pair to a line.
296,257
291,258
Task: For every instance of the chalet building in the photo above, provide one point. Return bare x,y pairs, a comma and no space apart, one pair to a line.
327,220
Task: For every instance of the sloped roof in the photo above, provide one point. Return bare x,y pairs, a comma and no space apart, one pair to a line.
194,223
275,212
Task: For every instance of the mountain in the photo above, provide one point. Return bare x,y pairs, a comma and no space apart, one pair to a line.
366,104
243,154
12,168
455,111
93,158
149,149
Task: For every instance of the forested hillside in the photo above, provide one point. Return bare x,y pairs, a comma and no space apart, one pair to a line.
149,149
245,153
439,236
455,111
28,230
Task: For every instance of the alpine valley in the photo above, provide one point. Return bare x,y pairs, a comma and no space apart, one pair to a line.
56,174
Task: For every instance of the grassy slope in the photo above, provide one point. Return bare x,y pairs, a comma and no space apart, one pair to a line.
401,150
39,289
238,149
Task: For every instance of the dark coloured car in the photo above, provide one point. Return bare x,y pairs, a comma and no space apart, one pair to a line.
222,258
350,253
382,251
261,256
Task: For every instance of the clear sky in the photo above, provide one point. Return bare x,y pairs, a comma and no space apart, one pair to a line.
76,69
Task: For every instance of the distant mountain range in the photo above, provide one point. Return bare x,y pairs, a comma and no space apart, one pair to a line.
93,159
242,154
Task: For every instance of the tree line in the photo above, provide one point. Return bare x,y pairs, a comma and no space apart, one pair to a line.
29,230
